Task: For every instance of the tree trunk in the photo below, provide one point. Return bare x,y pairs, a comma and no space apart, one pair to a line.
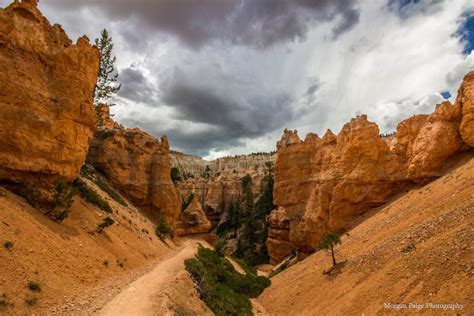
333,258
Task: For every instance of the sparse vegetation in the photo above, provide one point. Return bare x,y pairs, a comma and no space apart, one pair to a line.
34,286
188,201
163,229
91,196
62,199
408,248
176,175
108,221
221,287
111,192
4,302
120,263
329,241
105,263
8,244
31,301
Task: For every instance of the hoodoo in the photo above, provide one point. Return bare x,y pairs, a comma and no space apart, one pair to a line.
324,184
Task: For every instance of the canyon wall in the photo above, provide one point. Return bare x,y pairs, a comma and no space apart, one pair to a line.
137,164
323,184
46,85
223,185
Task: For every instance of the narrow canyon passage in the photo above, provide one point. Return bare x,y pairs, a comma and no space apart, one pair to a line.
138,298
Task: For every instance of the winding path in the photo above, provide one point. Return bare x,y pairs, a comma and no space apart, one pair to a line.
137,297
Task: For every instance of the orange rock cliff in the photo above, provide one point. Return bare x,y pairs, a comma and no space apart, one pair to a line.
323,184
46,115
137,164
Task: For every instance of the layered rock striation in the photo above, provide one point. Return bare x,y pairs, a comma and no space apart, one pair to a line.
323,184
223,185
138,165
46,85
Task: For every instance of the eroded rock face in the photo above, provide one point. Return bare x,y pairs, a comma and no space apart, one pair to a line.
465,100
324,184
193,220
223,185
138,165
46,85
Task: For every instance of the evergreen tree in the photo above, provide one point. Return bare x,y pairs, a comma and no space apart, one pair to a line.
329,241
106,84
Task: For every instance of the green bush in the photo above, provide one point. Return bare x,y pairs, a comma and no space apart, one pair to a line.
91,196
107,189
63,193
108,221
31,301
163,229
188,201
175,175
221,287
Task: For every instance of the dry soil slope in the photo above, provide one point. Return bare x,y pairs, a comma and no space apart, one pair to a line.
437,219
67,259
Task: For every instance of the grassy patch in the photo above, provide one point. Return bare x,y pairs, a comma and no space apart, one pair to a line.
221,287
91,196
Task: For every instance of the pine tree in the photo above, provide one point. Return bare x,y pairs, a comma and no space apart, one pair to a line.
329,241
106,84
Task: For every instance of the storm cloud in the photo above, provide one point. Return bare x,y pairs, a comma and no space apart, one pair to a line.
259,23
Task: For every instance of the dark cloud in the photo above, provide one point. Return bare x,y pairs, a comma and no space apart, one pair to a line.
258,23
408,8
135,87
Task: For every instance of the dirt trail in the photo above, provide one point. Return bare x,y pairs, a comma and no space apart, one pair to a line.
138,298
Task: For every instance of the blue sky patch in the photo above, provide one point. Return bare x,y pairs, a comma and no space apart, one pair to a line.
446,95
466,32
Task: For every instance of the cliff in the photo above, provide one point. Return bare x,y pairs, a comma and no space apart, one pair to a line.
46,115
138,165
324,184
193,220
223,185
416,249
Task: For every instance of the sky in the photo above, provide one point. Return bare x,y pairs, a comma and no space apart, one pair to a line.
226,77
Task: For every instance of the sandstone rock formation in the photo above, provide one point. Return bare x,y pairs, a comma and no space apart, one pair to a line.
46,87
323,184
224,184
465,99
193,220
138,165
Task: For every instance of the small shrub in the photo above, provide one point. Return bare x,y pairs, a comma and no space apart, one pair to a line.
8,244
106,263
103,134
163,229
120,263
188,201
108,221
329,241
91,196
34,286
31,301
408,248
63,193
175,175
